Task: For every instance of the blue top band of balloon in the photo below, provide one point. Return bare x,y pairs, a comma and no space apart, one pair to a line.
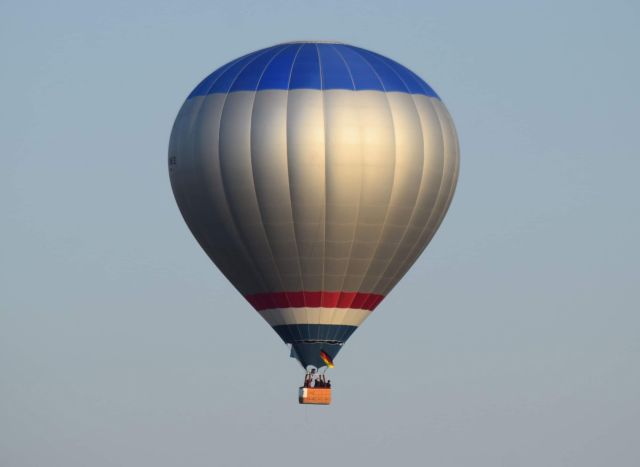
313,65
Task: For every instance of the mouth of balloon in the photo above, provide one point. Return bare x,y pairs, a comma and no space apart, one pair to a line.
308,353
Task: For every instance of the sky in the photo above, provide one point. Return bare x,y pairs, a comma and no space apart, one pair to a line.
513,341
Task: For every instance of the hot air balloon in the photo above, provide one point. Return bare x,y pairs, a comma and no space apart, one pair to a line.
313,174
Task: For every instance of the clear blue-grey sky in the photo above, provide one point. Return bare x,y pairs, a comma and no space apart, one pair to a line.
514,341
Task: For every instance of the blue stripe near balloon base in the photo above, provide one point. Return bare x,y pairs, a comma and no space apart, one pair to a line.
330,333
307,340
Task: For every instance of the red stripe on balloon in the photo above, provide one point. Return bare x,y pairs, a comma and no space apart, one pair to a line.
356,300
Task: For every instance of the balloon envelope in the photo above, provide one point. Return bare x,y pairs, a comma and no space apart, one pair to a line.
313,175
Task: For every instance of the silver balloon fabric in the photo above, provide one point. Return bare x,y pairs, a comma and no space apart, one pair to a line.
313,202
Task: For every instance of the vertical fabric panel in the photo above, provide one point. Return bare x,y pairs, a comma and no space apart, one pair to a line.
378,168
306,172
443,199
409,161
197,184
269,161
429,187
238,183
344,170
